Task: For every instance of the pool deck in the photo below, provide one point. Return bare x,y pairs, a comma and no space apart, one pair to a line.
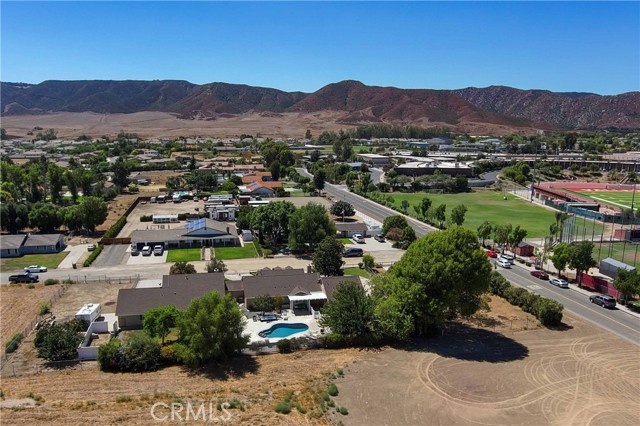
254,327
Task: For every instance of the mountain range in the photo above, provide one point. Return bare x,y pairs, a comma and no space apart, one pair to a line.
355,102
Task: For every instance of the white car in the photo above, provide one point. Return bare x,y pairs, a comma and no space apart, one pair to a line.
559,282
35,268
504,263
358,238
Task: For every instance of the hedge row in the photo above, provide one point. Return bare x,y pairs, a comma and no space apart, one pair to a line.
93,255
548,312
13,344
115,229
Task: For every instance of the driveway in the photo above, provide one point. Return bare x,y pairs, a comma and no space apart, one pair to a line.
147,260
112,255
75,253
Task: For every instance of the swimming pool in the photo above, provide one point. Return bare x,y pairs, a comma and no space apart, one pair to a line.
283,330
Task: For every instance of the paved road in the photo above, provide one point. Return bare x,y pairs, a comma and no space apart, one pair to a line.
368,207
614,320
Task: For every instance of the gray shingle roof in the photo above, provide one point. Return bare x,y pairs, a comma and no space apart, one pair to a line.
43,240
176,290
11,242
283,284
351,226
329,284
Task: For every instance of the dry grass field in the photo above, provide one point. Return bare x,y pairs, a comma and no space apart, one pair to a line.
75,396
18,305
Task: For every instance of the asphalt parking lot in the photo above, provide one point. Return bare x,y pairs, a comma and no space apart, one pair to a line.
371,245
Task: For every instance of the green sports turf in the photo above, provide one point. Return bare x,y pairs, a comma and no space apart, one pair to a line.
490,205
615,198
627,253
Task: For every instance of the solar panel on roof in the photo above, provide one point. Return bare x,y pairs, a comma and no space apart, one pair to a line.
196,224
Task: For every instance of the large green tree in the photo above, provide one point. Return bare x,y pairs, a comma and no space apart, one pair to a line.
211,330
501,234
349,312
121,172
93,211
458,213
395,221
309,225
14,216
45,216
327,259
582,258
55,176
159,321
441,275
271,221
561,256
319,178
484,230
627,283
342,208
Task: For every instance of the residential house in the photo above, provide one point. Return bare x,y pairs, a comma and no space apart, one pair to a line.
175,290
197,233
349,229
19,245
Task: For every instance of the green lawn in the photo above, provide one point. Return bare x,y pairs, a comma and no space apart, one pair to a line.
183,255
345,240
229,253
489,205
356,271
48,260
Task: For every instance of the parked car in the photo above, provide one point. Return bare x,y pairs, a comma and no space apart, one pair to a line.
504,263
559,282
146,251
380,238
196,199
35,268
602,300
158,250
135,251
358,238
91,247
509,258
491,253
27,277
353,252
540,274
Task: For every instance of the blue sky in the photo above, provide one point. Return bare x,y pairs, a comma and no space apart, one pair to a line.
563,46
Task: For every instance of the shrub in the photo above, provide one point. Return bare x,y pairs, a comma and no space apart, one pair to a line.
182,216
43,309
334,341
93,255
634,306
115,229
109,355
326,397
283,408
499,284
340,372
140,353
529,302
284,346
146,218
37,398
13,343
51,281
548,312
31,285
168,355
332,389
342,410
123,398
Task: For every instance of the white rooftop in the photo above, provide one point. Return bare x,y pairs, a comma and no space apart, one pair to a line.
88,309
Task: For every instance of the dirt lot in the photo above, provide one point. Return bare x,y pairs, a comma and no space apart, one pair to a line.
78,295
75,396
117,207
18,305
579,376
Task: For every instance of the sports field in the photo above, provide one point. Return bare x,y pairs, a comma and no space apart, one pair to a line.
489,205
614,198
623,252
